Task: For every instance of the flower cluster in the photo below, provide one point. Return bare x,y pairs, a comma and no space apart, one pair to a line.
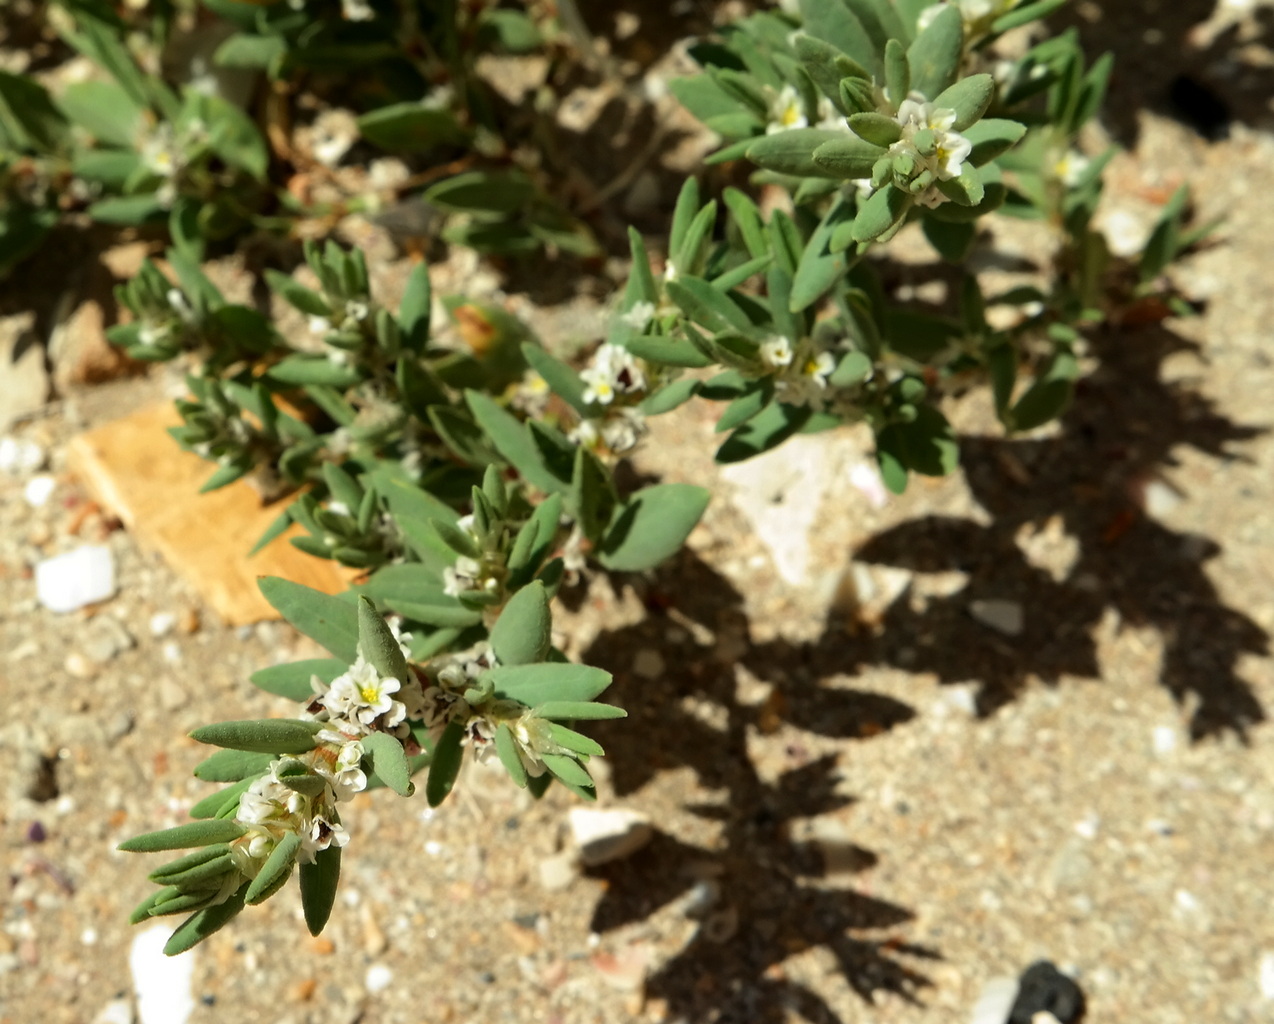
801,371
614,375
976,14
929,151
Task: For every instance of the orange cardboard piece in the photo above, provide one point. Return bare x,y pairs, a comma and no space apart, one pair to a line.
138,473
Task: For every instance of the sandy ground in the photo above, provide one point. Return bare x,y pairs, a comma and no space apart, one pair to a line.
875,788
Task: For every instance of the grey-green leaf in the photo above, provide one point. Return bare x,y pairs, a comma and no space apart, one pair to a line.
652,525
276,869
332,621
193,833
379,645
318,887
264,735
389,761
522,634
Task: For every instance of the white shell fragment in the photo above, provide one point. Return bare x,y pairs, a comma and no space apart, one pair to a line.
70,581
606,835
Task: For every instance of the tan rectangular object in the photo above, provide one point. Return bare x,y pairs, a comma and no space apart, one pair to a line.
135,471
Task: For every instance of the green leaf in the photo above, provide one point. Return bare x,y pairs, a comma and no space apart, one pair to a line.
482,192
445,766
878,129
570,772
572,740
296,294
571,710
561,379
969,98
193,833
512,440
233,765
897,72
826,65
707,305
506,747
533,685
1025,14
792,151
934,56
967,189
213,805
245,50
745,406
990,137
670,351
378,645
130,210
1163,244
833,22
952,240
522,635
276,869
389,761
203,923
669,397
820,268
848,157
410,128
592,494
651,525
299,369
175,871
853,368
925,445
262,735
319,882
885,208
28,119
459,432
332,621
1050,394
106,111
771,427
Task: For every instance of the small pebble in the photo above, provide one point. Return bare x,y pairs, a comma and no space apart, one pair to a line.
117,1011
1265,972
1165,739
162,623
79,666
78,578
378,978
648,664
17,456
994,1001
162,984
604,835
1003,616
1045,989
558,872
38,490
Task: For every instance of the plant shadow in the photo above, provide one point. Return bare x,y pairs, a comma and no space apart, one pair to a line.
780,896
1166,62
1091,484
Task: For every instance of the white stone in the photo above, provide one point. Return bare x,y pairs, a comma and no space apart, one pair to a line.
559,871
1265,973
75,579
378,978
994,1001
866,478
17,456
39,489
1004,617
780,494
604,835
117,1011
1165,739
162,623
162,984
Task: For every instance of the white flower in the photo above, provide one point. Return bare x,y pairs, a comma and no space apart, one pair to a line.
319,834
829,118
1071,167
362,696
462,576
819,368
639,315
613,371
357,10
670,271
586,434
319,324
787,112
776,352
622,429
